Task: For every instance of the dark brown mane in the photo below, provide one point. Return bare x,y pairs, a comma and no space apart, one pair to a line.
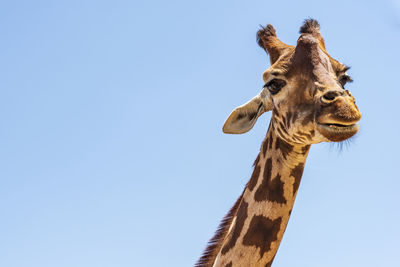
215,243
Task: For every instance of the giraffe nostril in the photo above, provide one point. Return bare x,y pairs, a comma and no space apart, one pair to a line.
330,96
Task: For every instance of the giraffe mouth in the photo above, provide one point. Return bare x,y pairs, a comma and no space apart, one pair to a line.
337,131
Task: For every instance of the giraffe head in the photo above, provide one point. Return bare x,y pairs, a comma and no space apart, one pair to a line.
304,88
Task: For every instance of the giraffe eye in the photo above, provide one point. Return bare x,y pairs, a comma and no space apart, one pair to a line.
345,79
275,85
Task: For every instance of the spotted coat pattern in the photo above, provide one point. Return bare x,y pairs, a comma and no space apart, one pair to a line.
256,231
312,107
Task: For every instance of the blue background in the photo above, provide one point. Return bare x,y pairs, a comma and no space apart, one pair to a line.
111,149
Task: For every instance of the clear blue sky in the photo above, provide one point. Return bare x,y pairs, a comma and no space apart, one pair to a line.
111,149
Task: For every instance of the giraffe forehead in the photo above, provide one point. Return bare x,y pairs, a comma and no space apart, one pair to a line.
308,60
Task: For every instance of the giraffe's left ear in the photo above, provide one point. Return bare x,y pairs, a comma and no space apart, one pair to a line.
243,118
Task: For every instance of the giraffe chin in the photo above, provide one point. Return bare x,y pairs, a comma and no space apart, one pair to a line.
337,132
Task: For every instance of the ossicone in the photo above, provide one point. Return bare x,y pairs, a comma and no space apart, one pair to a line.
264,33
311,26
267,39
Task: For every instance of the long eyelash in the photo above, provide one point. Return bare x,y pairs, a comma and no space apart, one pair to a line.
346,68
269,82
346,78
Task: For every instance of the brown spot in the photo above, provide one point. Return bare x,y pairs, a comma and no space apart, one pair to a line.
282,126
262,232
276,190
305,149
275,111
294,117
271,190
254,178
307,119
262,190
296,173
271,139
283,146
241,216
265,146
229,264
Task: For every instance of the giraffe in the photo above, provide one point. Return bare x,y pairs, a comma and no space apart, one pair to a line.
305,90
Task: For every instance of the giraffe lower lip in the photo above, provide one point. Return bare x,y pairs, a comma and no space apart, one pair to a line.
336,131
337,125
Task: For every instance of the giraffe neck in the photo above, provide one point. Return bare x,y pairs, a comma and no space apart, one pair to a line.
257,228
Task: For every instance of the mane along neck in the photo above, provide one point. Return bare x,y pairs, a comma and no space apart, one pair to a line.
251,232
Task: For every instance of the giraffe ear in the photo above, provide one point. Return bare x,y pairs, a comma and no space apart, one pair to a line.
243,118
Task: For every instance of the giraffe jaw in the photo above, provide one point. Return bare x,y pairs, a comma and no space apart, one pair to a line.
337,132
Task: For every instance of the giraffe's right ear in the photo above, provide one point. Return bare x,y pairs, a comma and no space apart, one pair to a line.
243,118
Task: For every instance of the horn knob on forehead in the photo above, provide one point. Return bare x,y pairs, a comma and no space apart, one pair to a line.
267,39
311,26
310,56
